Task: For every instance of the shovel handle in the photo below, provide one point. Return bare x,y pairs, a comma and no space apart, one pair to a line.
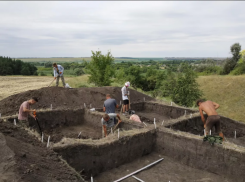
51,82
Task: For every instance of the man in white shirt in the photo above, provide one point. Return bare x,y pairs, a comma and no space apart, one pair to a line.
58,73
125,97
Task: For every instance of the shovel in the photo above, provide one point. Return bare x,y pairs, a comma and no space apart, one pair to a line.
51,82
34,113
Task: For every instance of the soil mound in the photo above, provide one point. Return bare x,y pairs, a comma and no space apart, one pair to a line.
63,98
24,158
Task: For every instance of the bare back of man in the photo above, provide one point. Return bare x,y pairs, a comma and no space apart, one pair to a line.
213,119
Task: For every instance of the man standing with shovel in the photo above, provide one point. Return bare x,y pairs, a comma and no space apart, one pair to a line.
58,73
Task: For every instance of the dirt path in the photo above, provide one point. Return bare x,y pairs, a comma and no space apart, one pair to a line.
165,171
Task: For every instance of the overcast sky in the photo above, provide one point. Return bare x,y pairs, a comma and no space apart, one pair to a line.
128,29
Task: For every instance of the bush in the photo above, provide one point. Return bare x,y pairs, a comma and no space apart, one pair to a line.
101,69
78,71
43,74
25,71
229,66
239,69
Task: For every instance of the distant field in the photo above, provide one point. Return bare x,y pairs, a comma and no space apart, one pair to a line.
228,91
62,60
55,59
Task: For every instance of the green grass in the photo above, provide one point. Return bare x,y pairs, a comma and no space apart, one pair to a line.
228,92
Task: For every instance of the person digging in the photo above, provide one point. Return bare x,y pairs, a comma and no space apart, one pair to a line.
125,98
213,119
58,73
24,111
108,122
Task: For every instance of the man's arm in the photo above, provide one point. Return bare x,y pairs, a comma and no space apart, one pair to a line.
28,110
104,108
116,105
216,106
61,69
119,119
202,116
105,131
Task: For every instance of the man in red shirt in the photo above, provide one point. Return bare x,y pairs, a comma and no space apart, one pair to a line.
24,111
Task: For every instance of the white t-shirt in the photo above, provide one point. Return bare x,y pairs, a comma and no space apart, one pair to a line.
124,91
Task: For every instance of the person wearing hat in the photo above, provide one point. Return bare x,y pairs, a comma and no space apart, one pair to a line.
125,98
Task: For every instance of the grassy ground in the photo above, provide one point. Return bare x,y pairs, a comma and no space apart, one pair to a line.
228,91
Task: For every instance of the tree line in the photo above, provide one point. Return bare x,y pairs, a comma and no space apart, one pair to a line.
9,66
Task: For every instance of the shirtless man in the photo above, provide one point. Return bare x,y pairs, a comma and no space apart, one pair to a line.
213,119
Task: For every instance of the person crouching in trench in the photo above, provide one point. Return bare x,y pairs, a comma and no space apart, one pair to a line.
108,122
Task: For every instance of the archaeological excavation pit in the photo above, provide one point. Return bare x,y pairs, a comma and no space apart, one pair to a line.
77,123
147,111
110,158
233,131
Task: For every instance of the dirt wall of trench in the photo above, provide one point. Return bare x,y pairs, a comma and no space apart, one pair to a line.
195,125
100,156
52,119
191,151
171,111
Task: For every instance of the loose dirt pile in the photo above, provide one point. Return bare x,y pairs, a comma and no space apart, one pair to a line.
24,158
63,98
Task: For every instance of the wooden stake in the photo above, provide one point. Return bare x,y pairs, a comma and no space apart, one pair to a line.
162,122
42,137
48,141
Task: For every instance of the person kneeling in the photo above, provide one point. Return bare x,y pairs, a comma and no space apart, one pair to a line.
108,122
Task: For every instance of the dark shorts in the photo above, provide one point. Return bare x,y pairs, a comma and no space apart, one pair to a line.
125,102
213,120
24,123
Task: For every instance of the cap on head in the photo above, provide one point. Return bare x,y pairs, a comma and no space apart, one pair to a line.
54,64
127,84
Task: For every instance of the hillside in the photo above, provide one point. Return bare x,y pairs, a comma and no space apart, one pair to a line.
228,91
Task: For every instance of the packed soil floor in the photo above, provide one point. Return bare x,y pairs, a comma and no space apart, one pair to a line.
87,131
165,171
23,158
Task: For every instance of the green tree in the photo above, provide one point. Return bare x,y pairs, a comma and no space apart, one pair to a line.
25,71
231,63
78,71
48,64
186,91
101,69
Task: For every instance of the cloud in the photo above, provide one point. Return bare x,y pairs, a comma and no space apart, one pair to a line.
136,29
